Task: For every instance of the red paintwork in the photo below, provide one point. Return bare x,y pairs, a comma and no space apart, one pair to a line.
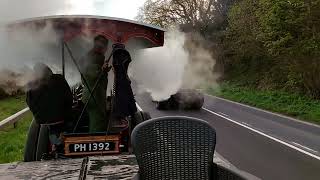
114,29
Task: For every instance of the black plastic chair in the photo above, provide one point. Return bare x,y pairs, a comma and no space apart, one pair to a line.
174,148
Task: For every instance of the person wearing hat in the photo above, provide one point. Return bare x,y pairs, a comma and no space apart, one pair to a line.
91,66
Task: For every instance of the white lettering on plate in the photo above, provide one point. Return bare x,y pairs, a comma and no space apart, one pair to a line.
92,147
82,147
106,148
101,145
76,147
95,146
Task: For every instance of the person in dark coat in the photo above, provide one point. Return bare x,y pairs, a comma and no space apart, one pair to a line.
124,102
50,100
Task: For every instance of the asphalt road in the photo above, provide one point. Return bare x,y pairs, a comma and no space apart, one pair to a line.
266,145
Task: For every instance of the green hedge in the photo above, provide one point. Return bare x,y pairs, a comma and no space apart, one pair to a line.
3,94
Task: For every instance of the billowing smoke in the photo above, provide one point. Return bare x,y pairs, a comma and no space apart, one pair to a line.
182,63
17,9
199,72
159,71
22,47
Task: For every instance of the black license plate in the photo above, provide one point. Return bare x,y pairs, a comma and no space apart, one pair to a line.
92,147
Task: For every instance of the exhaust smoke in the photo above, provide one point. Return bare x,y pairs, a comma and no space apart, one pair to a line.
159,71
183,62
21,48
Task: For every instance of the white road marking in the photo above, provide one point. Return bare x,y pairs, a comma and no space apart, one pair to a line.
265,111
265,135
223,114
304,147
246,124
139,108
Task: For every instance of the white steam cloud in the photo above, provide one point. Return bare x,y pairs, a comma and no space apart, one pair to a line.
21,48
159,71
199,71
18,9
181,63
162,71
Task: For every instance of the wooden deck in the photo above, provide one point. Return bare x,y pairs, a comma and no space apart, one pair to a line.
97,167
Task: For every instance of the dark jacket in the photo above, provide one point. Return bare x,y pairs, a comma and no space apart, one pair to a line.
50,101
124,102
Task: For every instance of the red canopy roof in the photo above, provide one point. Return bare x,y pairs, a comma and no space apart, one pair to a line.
115,29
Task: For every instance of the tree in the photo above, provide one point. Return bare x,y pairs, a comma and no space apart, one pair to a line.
288,27
191,15
277,42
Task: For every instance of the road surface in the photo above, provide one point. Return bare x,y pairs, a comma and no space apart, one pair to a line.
264,144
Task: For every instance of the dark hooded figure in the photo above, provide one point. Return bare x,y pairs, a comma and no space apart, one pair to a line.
124,103
50,100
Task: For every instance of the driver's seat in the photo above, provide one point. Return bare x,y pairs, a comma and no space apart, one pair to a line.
174,148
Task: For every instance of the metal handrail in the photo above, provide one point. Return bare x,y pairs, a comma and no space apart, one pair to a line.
14,118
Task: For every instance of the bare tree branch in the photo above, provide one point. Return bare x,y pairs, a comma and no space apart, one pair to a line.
198,14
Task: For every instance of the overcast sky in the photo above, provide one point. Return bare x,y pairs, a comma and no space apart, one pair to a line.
20,9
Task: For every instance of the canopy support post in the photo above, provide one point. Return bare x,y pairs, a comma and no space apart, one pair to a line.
63,58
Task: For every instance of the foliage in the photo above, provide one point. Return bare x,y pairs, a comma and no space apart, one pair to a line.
279,40
191,15
3,93
290,27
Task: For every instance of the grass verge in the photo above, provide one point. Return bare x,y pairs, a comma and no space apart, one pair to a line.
11,105
12,139
294,105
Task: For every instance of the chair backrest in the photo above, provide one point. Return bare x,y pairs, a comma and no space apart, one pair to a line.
174,148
